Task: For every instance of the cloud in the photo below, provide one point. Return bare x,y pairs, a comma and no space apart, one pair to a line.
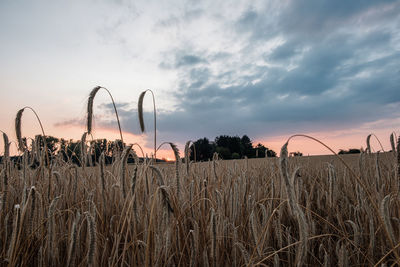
223,67
182,60
273,68
71,122
306,66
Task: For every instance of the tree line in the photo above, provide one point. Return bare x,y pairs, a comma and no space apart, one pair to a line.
228,147
70,150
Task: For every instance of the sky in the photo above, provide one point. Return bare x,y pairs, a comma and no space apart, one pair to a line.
268,69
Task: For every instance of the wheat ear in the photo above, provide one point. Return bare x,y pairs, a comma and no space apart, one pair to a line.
369,143
6,147
90,108
92,239
72,243
32,194
392,142
164,192
83,150
386,217
187,154
18,131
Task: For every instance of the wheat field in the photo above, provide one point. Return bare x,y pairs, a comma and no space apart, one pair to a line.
296,211
287,211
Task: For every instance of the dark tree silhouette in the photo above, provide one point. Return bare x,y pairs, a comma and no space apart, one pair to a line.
230,147
261,150
248,149
350,151
204,149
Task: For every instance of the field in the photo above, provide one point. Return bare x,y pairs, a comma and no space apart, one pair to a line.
287,211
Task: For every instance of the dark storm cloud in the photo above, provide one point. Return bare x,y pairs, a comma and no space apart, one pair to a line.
188,60
316,17
337,63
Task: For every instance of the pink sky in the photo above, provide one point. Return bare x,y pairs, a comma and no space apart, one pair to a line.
339,139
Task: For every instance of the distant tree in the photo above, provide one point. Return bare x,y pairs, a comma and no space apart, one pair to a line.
204,149
296,154
247,145
73,151
261,150
52,144
271,153
100,146
235,155
224,152
350,151
232,143
229,147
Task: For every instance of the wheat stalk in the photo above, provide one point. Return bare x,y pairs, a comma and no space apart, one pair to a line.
213,229
92,239
6,147
393,142
51,232
14,236
332,184
90,110
276,260
18,132
83,150
72,243
187,154
369,144
5,188
22,146
177,161
384,208
141,117
124,158
102,178
32,196
303,228
164,192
